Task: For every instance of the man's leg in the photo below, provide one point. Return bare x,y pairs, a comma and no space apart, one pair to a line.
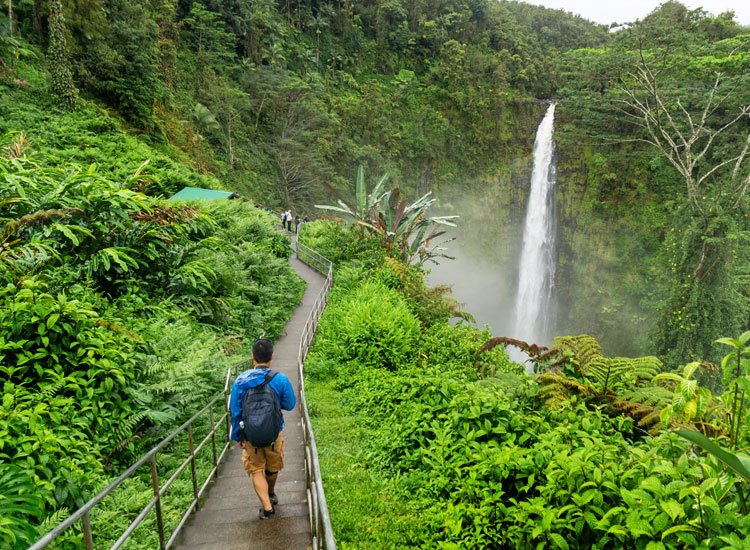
254,462
274,463
261,486
271,478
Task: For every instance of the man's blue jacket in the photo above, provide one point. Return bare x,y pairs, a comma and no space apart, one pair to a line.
249,379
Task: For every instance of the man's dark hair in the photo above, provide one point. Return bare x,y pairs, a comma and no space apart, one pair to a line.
262,350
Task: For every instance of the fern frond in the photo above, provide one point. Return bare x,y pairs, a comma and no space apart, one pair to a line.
49,390
601,370
556,389
651,421
569,384
585,349
655,396
52,521
643,368
13,226
532,349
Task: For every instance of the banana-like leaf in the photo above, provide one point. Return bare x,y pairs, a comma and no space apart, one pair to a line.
444,220
418,240
366,224
738,464
346,210
376,191
360,193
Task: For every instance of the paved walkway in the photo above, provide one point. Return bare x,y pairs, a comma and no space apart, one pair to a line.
228,519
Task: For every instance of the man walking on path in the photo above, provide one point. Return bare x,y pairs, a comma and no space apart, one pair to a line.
262,463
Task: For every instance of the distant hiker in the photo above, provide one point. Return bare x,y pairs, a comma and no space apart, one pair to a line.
297,221
306,219
258,395
286,220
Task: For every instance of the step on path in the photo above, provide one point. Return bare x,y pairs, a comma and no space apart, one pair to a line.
228,517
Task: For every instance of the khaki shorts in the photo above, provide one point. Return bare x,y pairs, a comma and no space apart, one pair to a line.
269,458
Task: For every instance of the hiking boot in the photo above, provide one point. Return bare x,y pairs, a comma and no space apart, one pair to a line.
274,499
267,514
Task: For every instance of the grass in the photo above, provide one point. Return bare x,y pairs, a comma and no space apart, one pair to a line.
366,511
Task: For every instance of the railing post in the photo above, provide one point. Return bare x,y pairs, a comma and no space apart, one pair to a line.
213,443
227,395
157,497
191,446
88,537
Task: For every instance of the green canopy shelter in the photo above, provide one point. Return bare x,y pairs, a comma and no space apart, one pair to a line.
197,193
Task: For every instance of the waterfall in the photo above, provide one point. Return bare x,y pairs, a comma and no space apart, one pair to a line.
536,274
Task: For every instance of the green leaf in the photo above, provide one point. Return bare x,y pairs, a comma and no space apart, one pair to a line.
729,459
652,484
637,525
673,508
736,344
618,530
361,192
678,529
559,541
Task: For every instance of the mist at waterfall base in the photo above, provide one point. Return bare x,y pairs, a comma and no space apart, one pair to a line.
483,282
484,286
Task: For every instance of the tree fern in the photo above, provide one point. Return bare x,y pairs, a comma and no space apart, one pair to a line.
557,389
628,385
646,416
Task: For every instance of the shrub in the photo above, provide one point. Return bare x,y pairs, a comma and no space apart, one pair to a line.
373,328
342,244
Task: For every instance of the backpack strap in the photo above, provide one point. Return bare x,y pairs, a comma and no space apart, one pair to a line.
269,376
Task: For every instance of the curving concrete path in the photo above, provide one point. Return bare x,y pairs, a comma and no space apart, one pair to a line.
228,518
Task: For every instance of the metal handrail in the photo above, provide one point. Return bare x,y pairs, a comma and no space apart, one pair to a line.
82,513
320,519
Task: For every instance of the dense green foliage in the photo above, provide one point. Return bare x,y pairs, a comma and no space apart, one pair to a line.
299,95
104,287
451,446
283,102
120,314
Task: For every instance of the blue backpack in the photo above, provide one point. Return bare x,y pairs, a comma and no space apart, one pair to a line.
261,413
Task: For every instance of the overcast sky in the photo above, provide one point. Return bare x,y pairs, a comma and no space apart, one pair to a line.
625,11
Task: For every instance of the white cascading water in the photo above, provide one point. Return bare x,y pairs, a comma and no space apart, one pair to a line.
537,267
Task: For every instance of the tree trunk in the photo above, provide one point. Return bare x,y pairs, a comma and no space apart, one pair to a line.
230,148
10,32
38,21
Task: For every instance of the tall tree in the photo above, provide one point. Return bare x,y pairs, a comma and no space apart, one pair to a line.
10,33
702,127
59,58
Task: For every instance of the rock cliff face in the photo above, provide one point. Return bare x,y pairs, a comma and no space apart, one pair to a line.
611,234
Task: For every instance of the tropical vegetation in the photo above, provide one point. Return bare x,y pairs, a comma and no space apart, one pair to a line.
452,445
121,311
120,316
